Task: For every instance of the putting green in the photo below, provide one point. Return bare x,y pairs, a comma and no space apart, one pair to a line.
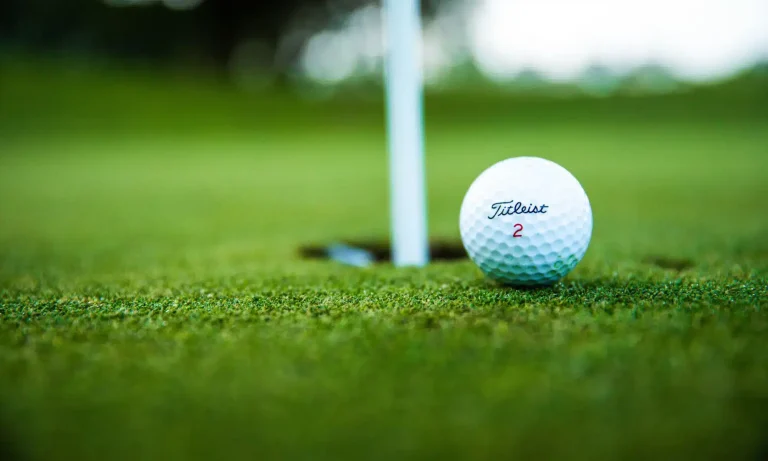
153,304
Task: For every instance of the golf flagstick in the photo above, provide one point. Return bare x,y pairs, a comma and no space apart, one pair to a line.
405,132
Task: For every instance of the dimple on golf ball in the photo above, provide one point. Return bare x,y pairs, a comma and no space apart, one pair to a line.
526,221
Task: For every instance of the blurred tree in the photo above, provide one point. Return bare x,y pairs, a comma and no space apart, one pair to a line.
175,31
292,22
90,26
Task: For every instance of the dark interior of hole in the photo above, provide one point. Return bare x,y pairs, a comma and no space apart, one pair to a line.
441,250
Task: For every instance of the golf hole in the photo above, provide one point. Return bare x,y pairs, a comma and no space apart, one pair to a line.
363,253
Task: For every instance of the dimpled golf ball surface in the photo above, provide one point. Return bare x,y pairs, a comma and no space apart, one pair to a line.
526,221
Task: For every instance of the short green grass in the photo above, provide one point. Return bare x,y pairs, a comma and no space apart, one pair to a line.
153,304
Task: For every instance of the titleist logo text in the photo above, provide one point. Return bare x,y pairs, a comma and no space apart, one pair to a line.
511,207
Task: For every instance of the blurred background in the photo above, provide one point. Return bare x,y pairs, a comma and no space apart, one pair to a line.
598,46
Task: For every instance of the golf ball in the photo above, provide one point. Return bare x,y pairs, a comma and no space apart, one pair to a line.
526,221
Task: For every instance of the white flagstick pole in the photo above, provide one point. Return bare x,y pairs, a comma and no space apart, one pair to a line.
403,74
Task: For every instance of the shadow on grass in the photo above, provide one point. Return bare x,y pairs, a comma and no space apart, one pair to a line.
675,264
9,449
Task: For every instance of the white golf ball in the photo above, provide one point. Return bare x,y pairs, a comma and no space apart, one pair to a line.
526,221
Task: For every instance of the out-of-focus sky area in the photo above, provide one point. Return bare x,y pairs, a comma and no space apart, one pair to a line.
561,40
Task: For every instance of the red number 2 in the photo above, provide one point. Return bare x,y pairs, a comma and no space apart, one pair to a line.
519,228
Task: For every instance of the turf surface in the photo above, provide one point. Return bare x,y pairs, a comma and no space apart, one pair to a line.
153,304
